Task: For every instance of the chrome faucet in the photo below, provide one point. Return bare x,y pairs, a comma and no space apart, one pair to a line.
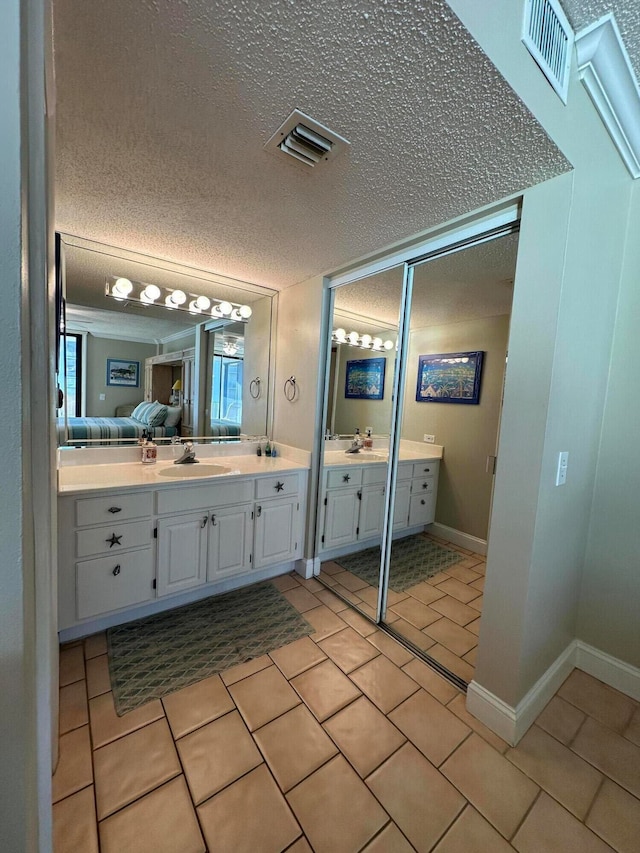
188,455
356,445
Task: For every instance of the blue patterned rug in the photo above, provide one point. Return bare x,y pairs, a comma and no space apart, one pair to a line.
152,657
413,559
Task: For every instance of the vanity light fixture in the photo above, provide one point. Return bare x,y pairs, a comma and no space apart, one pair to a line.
125,290
355,339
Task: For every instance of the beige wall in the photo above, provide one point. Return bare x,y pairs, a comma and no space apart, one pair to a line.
256,364
468,433
98,351
186,341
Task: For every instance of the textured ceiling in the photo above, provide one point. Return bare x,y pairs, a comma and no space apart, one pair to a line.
163,109
475,282
581,13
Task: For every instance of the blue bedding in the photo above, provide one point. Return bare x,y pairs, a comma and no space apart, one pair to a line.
108,430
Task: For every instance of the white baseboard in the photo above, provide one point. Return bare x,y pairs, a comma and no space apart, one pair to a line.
511,723
457,537
613,671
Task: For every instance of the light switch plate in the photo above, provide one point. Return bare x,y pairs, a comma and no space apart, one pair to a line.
563,462
430,439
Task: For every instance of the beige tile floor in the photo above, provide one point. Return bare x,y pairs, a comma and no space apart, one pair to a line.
339,742
440,616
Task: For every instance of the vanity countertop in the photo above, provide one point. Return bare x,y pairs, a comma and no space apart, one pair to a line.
74,479
370,457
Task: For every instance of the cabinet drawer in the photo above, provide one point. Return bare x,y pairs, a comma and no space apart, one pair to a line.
110,583
113,508
423,485
276,486
421,509
430,468
204,497
340,477
98,540
374,474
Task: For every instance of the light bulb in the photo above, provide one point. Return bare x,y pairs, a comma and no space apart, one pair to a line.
353,338
178,297
245,312
377,343
365,340
150,293
193,307
341,335
388,345
203,303
122,288
225,308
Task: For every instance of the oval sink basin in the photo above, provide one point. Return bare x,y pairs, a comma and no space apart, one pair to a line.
193,470
360,458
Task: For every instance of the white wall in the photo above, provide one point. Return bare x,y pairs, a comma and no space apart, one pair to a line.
566,286
26,655
609,614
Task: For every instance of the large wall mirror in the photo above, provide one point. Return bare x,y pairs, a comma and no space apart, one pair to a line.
210,366
448,414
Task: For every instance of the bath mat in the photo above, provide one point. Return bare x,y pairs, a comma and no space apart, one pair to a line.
152,657
413,559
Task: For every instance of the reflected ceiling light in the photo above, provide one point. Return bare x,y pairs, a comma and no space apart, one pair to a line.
388,345
123,289
230,347
365,341
376,344
355,339
150,293
340,335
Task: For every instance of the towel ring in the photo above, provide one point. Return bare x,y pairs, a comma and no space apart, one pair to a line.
254,388
290,389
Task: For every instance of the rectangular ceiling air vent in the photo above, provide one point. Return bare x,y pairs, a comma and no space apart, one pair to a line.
547,35
306,140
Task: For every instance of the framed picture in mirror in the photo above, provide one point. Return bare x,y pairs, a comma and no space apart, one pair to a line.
123,372
452,377
365,379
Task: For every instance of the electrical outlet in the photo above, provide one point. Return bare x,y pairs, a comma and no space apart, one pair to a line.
103,396
430,439
561,473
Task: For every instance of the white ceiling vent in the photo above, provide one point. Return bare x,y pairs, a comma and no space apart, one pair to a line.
548,37
306,140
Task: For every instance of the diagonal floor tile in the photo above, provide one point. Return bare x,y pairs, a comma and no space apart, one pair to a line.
455,610
452,636
331,827
263,696
364,735
561,720
216,755
615,817
458,590
71,665
390,648
390,840
295,657
429,679
612,754
429,726
498,790
418,798
325,689
250,815
106,725
133,765
197,704
415,612
163,821
294,746
471,833
384,683
324,621
73,710
98,678
74,823
610,707
548,828
458,706
348,649
74,770
244,670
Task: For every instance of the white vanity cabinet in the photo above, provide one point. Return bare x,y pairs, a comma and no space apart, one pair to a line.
354,499
121,551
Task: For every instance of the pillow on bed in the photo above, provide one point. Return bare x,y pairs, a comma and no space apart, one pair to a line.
150,414
174,414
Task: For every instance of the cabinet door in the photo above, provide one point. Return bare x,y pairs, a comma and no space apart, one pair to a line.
277,535
182,552
371,509
230,537
401,505
340,518
422,509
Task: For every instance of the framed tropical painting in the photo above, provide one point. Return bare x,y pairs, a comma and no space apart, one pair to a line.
365,379
452,377
123,372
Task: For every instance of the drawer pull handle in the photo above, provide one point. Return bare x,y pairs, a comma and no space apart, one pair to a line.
114,540
213,520
426,470
204,521
279,486
114,509
423,502
346,478
258,511
116,571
